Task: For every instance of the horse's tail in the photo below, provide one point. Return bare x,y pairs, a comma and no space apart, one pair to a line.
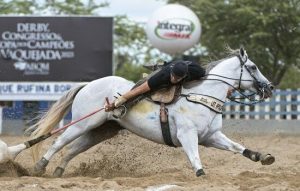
52,117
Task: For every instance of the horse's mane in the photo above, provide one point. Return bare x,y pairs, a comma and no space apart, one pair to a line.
230,53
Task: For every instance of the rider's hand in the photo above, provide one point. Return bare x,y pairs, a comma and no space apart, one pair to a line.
109,107
119,101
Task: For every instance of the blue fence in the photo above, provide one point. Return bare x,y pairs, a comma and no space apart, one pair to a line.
22,114
285,104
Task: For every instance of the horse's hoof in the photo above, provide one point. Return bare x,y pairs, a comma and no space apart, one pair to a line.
58,172
40,167
200,172
267,159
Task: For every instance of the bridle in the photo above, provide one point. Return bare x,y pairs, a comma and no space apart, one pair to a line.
260,86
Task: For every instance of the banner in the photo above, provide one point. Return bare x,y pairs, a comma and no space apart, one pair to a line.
55,48
34,91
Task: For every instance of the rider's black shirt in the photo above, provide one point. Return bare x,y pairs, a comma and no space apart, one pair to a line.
162,79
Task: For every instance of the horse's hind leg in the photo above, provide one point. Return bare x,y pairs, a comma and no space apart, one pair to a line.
220,141
69,135
86,141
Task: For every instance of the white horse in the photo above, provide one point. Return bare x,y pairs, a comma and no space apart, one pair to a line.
191,124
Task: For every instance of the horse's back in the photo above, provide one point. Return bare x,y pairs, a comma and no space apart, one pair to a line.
109,82
105,87
92,96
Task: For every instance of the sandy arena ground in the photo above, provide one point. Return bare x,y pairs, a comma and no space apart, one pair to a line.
128,162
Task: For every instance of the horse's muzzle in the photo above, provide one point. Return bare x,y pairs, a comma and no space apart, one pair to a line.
265,90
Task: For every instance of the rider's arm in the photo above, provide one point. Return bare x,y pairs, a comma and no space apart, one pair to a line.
153,83
132,93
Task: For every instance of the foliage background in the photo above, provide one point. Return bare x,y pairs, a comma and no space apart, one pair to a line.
268,29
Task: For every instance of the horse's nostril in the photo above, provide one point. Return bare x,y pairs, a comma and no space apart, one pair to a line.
271,87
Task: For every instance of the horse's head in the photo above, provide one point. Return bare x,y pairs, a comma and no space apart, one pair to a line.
251,78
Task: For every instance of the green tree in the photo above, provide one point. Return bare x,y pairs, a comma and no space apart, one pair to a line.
71,7
291,79
131,72
130,43
17,7
268,29
132,49
39,7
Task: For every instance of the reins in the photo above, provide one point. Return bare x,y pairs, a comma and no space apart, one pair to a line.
234,99
244,96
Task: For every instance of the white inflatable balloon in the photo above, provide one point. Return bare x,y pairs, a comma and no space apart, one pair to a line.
173,29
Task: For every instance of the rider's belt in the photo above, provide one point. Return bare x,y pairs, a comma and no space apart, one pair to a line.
208,101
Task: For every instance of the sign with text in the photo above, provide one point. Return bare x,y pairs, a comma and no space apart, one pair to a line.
55,48
24,91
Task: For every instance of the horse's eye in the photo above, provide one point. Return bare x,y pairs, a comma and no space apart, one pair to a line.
253,67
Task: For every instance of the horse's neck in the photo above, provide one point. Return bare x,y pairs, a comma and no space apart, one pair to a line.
216,88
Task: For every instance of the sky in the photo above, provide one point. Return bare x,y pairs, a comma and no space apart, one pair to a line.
138,10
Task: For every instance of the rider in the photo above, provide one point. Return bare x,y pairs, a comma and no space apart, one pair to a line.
172,73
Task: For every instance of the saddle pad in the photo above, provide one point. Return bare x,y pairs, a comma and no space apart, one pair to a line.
165,95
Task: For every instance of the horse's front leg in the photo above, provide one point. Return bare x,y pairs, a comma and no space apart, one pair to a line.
220,141
189,141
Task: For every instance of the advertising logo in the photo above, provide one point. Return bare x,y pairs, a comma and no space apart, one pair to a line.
175,28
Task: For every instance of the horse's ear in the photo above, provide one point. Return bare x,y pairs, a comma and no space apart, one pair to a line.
242,52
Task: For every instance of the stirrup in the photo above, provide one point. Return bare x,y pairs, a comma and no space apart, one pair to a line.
119,112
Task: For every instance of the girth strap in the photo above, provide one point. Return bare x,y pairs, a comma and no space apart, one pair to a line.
165,128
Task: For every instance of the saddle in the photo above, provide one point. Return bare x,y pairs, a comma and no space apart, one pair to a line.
166,95
162,97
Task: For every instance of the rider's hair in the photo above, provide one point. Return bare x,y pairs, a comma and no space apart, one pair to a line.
179,68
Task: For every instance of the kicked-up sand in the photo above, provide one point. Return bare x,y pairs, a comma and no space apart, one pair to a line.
128,162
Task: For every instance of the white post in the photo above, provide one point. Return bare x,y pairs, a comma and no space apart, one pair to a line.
277,106
298,105
1,119
267,109
227,109
256,109
247,109
288,105
237,107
